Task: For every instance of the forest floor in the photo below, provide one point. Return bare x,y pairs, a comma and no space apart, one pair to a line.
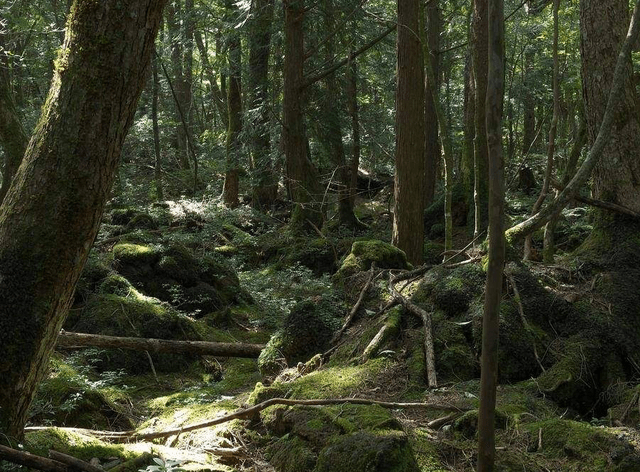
193,270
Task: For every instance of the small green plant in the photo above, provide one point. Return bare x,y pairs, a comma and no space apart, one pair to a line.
163,466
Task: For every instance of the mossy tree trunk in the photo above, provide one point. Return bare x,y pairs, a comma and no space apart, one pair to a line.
616,176
234,103
12,135
408,222
493,290
302,175
265,189
52,211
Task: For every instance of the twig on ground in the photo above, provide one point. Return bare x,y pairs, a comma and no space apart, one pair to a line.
356,307
428,333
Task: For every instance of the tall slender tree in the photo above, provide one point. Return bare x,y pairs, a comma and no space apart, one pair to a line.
265,188
302,176
53,209
493,290
408,222
432,152
480,71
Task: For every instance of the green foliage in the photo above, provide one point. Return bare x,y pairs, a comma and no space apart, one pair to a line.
163,466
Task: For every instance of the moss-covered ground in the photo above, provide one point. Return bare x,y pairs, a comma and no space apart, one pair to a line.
568,399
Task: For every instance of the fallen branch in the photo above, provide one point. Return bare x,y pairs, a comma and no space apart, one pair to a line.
204,348
31,460
388,329
525,323
428,333
74,463
356,307
250,412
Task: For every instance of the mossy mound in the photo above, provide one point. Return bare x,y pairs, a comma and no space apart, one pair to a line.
174,275
67,397
365,451
365,253
133,315
450,290
74,444
306,331
337,438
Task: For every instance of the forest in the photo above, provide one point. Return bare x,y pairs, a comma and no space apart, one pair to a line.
319,236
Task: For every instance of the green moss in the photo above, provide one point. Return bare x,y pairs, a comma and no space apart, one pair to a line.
115,284
126,253
291,455
72,443
426,451
364,451
364,253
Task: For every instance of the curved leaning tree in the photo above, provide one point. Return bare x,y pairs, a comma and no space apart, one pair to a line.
52,211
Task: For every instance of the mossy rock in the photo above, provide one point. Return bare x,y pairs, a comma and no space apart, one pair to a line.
364,451
141,221
450,290
306,331
319,255
433,252
67,398
134,316
365,253
575,440
291,455
94,272
135,254
115,284
467,425
122,216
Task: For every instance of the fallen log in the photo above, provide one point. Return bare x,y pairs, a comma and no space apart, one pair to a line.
203,348
31,460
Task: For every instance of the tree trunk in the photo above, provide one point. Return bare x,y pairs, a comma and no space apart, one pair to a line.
432,150
216,94
13,138
352,98
156,132
603,27
408,222
177,43
332,129
302,176
493,291
265,189
52,212
480,57
234,102
469,136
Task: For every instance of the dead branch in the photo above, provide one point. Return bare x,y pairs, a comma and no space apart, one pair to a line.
31,460
598,203
388,329
204,348
428,333
525,323
74,463
356,307
439,422
244,413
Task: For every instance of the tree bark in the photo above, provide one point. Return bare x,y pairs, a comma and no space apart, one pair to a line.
603,28
432,151
216,94
234,103
302,175
354,112
480,71
156,132
13,138
265,189
493,290
203,348
408,222
52,211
